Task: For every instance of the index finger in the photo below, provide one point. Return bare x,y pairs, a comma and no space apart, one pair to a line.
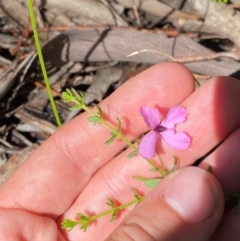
54,175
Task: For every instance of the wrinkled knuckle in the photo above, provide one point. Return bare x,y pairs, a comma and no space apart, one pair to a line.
131,230
140,231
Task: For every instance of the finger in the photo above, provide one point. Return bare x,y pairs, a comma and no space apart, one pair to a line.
225,163
187,205
213,114
228,228
63,165
113,179
16,225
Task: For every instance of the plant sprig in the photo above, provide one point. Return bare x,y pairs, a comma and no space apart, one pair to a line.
97,118
115,132
84,220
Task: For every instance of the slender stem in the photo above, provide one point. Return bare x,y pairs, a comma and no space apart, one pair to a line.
126,205
41,60
111,128
161,162
110,211
79,100
122,137
144,179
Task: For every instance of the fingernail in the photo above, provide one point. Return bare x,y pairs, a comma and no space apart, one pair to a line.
192,194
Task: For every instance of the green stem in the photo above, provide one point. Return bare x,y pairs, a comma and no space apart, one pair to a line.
70,224
119,208
144,179
121,136
72,95
161,161
111,128
41,60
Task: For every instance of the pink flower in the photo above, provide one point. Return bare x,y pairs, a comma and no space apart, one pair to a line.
165,129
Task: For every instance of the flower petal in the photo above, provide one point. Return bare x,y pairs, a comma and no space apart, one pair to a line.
151,116
175,115
179,141
147,147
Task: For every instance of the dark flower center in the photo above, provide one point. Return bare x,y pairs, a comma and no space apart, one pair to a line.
160,128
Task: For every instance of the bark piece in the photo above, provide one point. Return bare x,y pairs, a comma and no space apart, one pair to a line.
176,4
156,8
16,10
103,80
103,44
8,76
14,162
93,10
217,18
41,124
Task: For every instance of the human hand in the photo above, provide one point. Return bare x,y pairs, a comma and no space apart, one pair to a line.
73,171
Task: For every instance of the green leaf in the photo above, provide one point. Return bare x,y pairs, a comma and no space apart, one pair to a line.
69,92
76,107
136,195
111,139
94,119
154,169
132,154
81,94
119,124
68,224
114,209
174,164
152,183
66,96
210,169
99,111
114,215
174,168
110,203
84,221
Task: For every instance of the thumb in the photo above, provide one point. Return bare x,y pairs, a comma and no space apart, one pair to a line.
187,205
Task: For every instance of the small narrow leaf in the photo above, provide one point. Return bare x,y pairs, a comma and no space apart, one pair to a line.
66,96
68,224
84,221
82,96
154,169
136,195
152,183
99,111
132,154
76,107
110,202
111,139
114,215
94,119
210,169
174,164
119,124
114,209
78,95
69,92
174,168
